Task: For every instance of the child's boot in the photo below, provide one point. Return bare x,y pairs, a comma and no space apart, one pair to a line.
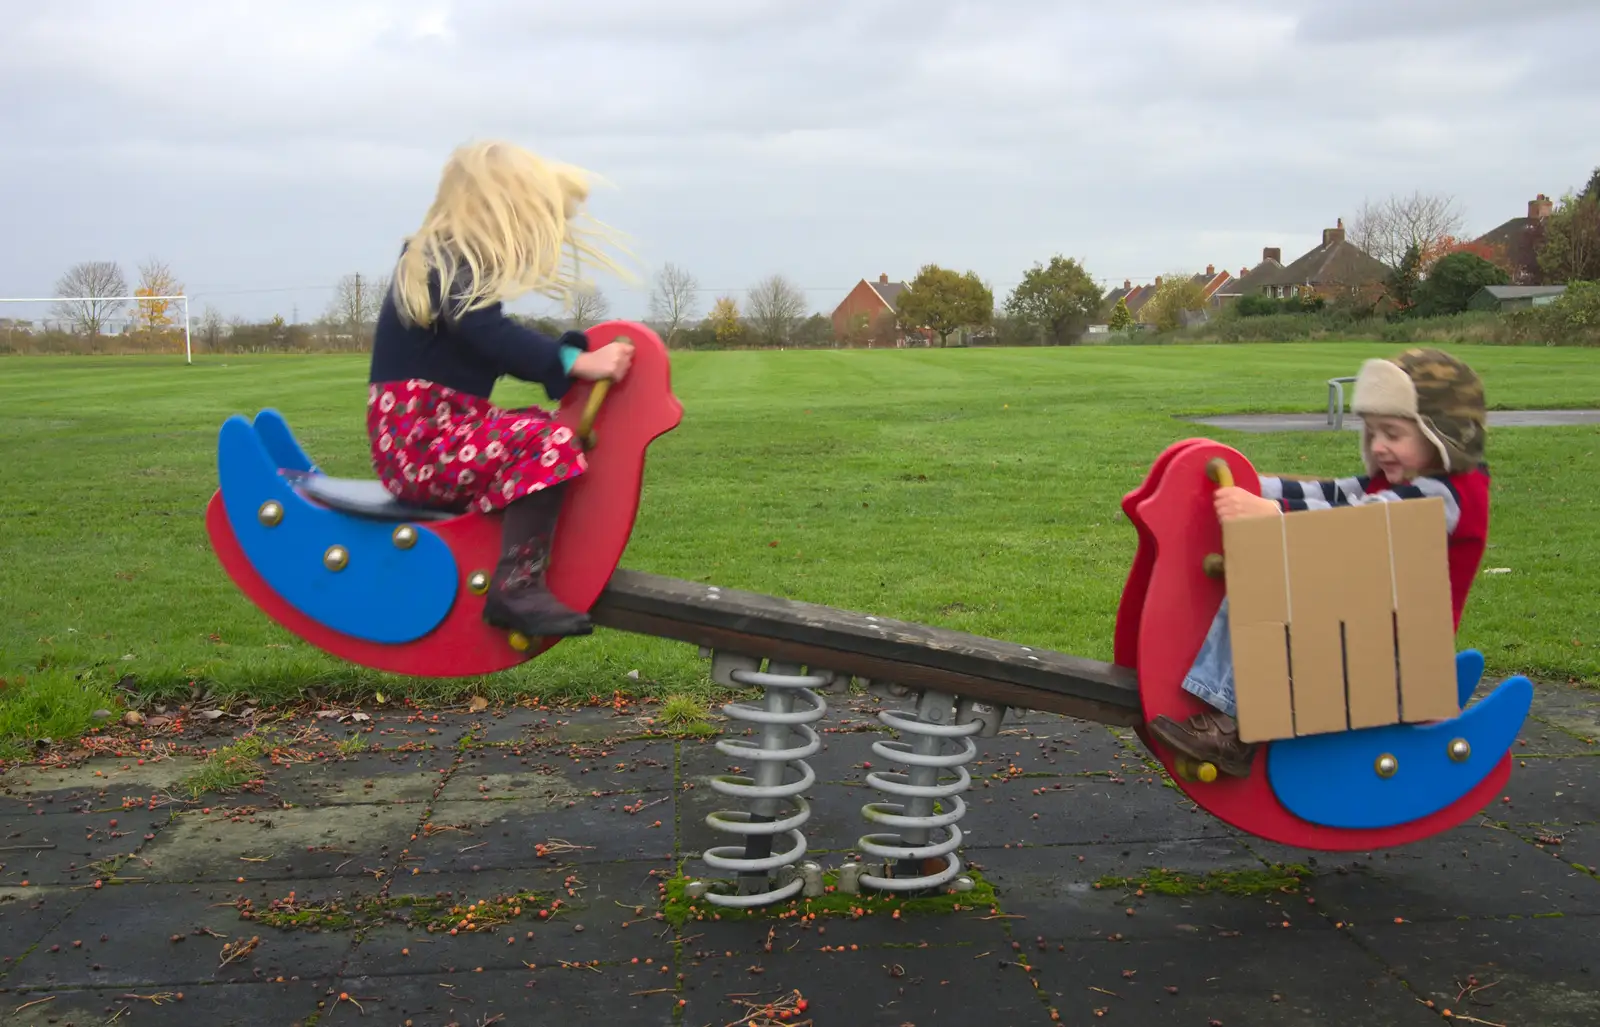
1207,738
519,599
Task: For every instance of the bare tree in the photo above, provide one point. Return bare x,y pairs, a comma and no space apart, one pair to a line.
88,290
773,307
675,299
1385,229
587,305
212,328
357,299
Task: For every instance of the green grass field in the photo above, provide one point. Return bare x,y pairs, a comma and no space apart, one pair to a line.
973,489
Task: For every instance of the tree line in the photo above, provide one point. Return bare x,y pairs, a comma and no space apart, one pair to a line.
1432,271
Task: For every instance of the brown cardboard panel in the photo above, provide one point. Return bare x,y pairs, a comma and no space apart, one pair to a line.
1372,692
1258,613
1425,626
1365,595
1261,658
1338,577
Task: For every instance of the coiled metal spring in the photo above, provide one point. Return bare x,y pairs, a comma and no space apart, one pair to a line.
789,707
913,845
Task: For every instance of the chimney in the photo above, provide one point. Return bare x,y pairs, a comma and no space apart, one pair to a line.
883,279
1539,208
1158,281
1127,285
1272,253
1333,235
1243,271
1211,271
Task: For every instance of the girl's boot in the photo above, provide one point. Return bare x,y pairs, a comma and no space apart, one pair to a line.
518,598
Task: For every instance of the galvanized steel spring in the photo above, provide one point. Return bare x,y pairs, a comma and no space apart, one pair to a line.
789,707
920,786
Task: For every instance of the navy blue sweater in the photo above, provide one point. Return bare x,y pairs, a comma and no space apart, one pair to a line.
470,353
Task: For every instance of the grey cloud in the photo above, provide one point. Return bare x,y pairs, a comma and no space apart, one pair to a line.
829,140
1357,20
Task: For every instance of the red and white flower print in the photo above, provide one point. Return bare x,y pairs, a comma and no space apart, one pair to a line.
435,446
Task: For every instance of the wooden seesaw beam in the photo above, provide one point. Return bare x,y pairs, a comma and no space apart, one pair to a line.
867,646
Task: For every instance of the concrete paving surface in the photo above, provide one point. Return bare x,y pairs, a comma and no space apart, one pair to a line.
506,867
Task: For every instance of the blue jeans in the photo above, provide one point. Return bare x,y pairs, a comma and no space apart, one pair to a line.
1211,676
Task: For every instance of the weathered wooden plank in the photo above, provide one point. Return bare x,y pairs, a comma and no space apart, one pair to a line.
868,646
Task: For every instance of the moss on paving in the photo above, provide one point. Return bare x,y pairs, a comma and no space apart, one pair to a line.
1278,877
678,908
229,767
432,913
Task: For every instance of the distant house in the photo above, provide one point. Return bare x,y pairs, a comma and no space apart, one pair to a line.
1119,294
1136,296
1139,295
1336,266
1514,297
1210,280
870,307
1248,278
1519,239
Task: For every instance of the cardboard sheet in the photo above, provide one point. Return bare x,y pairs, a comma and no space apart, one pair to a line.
1340,619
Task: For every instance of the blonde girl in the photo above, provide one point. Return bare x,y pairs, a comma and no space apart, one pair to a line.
503,223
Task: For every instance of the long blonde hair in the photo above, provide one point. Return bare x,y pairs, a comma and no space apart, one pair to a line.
501,225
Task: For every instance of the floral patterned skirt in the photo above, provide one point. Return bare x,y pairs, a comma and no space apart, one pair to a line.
434,446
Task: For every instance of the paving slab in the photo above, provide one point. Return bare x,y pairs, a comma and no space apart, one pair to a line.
498,835
365,779
1473,871
279,844
630,766
456,809
69,850
289,1004
1061,903
604,995
1307,979
1538,972
595,901
98,784
883,987
27,915
1552,791
135,936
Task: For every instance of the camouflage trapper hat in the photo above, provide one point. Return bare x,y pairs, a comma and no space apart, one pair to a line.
1442,394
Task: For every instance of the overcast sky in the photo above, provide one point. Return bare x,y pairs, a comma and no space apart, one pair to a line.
264,149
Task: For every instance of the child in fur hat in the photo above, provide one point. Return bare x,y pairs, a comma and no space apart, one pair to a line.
1422,435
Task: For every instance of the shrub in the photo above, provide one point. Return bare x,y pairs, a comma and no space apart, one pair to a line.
1452,282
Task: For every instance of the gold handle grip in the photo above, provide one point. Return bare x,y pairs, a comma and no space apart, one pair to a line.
1217,470
591,410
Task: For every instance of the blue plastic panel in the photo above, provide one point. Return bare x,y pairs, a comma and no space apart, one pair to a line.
1331,779
1469,671
280,442
383,594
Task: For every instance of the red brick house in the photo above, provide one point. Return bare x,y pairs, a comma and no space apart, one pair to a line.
1519,239
1210,280
869,310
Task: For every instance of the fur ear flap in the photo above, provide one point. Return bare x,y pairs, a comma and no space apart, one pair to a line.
1383,389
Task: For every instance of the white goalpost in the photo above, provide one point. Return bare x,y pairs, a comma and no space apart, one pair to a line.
188,348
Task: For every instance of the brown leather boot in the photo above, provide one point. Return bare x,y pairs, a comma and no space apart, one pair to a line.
1208,738
518,598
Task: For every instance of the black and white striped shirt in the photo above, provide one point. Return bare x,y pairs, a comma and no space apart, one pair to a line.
1323,495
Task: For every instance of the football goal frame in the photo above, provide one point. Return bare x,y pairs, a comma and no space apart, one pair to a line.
188,343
